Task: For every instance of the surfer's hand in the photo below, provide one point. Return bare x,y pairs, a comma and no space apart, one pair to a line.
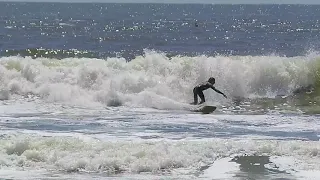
225,96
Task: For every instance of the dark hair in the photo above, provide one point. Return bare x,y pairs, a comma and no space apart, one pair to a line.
212,79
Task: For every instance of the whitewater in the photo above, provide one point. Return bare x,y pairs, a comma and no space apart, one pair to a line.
153,80
84,118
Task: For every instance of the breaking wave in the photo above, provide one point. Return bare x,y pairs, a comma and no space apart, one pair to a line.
153,80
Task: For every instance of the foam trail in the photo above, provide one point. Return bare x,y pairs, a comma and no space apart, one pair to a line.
68,154
152,80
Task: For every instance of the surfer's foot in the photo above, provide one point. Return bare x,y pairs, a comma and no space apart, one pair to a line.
201,102
193,103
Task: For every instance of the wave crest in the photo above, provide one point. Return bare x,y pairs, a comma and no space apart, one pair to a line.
154,80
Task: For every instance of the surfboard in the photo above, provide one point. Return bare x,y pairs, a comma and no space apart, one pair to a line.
205,109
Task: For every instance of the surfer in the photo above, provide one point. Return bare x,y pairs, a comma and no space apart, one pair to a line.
198,90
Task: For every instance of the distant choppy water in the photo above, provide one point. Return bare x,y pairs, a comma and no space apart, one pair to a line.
126,29
102,91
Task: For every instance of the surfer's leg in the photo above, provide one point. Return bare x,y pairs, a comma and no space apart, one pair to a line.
195,96
201,95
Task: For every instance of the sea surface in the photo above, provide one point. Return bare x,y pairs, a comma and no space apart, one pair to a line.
102,91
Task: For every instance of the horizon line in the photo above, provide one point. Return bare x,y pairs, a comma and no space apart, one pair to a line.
193,3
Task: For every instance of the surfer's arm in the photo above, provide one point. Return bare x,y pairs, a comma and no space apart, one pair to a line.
218,91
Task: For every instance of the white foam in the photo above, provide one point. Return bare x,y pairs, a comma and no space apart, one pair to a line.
221,169
152,80
69,154
286,166
22,174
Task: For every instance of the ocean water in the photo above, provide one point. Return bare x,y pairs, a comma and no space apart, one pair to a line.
102,91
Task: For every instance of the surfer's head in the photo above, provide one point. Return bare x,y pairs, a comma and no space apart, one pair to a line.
212,80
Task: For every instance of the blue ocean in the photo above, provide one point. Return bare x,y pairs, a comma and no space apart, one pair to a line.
103,91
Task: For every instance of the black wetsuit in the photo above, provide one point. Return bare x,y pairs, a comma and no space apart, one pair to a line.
198,91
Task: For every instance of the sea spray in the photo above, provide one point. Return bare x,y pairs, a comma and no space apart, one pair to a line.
154,80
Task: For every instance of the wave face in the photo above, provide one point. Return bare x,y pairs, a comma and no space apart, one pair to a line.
153,80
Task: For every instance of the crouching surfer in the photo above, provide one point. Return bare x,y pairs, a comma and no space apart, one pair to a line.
198,90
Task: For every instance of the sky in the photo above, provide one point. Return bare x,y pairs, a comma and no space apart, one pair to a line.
186,1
